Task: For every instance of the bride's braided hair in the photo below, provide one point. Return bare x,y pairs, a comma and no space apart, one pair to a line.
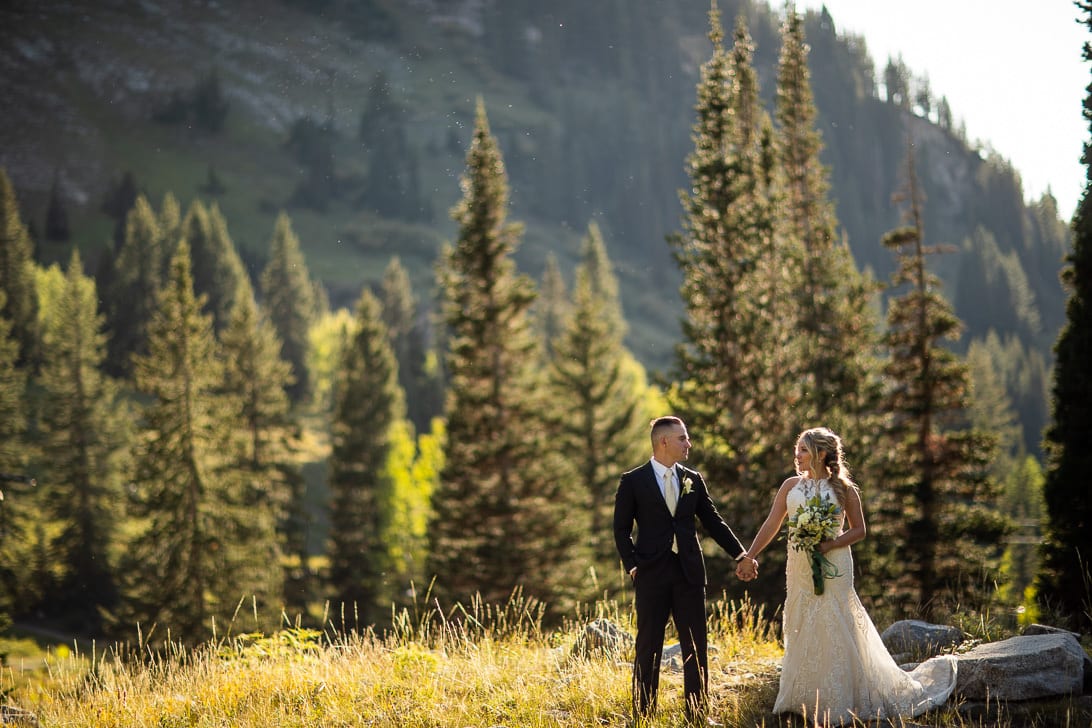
822,439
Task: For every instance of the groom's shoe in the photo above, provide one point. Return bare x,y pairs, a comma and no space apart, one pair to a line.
701,721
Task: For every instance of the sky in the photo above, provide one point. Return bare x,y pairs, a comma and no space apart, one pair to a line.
1011,69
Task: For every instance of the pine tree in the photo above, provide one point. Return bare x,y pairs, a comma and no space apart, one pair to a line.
134,286
937,524
194,558
407,338
218,272
116,203
368,405
288,295
12,427
12,390
83,434
1065,582
504,515
17,272
255,379
733,378
602,422
834,318
552,306
15,516
57,229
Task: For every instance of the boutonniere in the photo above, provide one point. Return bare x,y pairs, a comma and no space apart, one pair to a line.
687,485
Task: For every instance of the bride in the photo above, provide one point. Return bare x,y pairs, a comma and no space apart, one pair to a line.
836,667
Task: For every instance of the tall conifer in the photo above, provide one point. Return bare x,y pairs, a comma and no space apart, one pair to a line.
288,294
601,421
12,391
734,389
368,404
1065,582
83,433
504,515
835,322
195,556
255,378
57,229
937,522
17,272
15,515
218,272
552,305
406,329
134,285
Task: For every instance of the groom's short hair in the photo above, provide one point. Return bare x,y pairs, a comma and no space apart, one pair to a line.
660,424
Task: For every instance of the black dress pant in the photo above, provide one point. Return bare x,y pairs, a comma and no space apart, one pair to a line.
663,591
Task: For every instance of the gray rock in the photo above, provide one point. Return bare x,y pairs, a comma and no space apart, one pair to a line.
920,639
602,637
10,715
671,658
1022,668
1033,629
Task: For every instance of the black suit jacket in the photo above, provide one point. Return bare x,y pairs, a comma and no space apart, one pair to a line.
639,500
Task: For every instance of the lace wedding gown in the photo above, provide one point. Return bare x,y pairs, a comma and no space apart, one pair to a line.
836,667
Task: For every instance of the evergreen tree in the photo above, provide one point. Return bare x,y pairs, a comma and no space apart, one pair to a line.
83,431
218,272
505,514
1023,504
734,388
288,295
418,374
255,378
1065,582
15,516
834,316
134,286
602,419
368,406
57,229
170,228
17,272
194,556
937,523
552,306
116,203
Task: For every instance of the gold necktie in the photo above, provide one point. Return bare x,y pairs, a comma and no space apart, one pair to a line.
671,495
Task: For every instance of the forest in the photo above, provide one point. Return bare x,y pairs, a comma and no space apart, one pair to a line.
261,368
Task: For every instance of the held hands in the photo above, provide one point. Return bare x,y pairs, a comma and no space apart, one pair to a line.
747,569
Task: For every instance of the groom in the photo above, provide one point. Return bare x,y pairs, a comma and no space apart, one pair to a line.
665,500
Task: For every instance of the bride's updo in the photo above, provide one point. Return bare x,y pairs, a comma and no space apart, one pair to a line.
828,460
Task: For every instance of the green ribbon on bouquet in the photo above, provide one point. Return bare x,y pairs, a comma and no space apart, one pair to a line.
821,570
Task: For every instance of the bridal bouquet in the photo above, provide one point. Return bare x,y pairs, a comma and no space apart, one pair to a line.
816,521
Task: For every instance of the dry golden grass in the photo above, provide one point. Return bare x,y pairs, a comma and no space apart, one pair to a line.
483,667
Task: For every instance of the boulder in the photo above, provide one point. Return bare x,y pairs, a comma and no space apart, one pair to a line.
602,637
671,658
1022,668
10,715
1033,629
915,638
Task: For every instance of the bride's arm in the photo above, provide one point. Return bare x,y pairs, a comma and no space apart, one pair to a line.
773,522
855,517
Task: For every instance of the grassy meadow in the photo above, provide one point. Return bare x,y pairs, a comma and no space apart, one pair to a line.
477,667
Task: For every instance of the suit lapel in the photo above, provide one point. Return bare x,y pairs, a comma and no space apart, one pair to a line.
655,491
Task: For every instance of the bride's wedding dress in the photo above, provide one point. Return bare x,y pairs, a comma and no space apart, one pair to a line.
836,667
